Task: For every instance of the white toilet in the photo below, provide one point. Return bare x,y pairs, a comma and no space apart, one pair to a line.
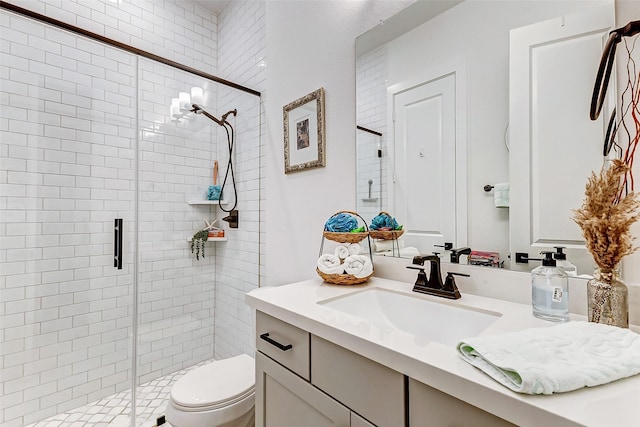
219,394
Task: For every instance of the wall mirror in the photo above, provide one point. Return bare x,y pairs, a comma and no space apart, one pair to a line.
474,94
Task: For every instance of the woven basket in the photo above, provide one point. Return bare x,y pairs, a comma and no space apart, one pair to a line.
345,237
342,279
385,234
345,279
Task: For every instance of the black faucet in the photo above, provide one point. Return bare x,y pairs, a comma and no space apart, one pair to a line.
435,280
434,285
455,254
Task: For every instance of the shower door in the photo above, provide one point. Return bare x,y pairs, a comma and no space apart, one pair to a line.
67,162
101,299
175,291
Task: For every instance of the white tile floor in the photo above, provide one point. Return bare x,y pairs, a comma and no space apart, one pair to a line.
115,411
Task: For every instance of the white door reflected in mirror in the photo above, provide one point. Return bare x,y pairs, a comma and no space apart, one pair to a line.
424,161
554,144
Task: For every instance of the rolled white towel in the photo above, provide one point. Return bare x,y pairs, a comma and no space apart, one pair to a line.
355,249
408,252
330,264
387,245
342,251
358,266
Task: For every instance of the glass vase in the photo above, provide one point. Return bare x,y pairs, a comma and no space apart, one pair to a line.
607,299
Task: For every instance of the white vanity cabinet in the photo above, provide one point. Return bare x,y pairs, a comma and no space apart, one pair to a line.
305,380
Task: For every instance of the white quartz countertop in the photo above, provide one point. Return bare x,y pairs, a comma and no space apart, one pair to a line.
439,365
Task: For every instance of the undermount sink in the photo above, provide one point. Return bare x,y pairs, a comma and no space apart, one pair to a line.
427,320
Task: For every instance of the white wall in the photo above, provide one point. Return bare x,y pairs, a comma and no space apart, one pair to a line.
311,44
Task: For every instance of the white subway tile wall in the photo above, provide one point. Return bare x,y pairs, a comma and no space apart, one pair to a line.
178,30
238,260
175,291
70,167
70,110
371,113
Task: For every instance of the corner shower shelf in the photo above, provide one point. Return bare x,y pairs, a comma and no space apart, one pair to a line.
214,239
208,202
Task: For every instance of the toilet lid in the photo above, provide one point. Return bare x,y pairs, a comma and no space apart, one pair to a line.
215,383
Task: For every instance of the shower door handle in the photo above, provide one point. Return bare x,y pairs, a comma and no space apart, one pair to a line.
117,244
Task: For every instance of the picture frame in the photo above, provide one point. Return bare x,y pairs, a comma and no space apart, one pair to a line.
304,128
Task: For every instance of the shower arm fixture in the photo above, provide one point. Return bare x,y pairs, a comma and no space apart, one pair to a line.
232,219
199,110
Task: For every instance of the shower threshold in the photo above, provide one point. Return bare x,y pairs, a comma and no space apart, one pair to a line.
115,410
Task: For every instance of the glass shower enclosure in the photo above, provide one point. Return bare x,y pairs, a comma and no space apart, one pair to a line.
102,185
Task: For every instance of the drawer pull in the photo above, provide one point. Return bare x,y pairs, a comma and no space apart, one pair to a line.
271,341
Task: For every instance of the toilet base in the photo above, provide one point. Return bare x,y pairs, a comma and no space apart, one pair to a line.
248,420
214,418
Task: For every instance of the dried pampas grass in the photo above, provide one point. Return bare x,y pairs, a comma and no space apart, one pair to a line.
606,216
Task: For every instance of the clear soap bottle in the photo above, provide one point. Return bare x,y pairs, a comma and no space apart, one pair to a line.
550,291
563,262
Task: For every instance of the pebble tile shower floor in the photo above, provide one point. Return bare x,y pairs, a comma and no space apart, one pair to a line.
114,411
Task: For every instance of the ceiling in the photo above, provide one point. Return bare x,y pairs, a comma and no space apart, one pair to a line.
215,6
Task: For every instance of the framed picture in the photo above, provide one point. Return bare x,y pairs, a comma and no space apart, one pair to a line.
304,133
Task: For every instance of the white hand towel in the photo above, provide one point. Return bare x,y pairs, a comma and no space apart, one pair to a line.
355,249
342,251
330,264
556,359
358,266
501,195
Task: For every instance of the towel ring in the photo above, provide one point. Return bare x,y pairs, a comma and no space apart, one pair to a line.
606,66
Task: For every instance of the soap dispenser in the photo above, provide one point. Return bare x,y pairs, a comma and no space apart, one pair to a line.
563,263
550,290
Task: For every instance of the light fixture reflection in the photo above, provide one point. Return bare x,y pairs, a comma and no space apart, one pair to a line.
182,105
184,99
197,95
175,108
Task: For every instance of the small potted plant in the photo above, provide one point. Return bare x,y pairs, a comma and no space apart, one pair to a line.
198,242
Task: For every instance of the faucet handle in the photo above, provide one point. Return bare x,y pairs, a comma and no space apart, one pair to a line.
447,246
421,281
450,283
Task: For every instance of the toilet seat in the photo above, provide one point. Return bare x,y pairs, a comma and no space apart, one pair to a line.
215,385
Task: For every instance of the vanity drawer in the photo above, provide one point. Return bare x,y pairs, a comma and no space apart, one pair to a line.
284,343
368,388
428,406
